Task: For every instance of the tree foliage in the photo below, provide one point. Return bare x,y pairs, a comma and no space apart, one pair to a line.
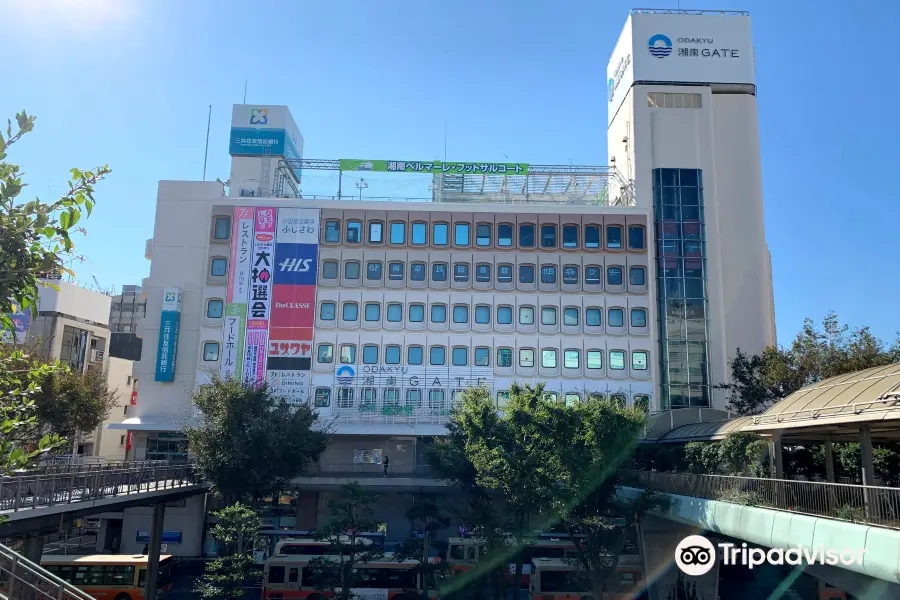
35,242
425,515
227,576
249,443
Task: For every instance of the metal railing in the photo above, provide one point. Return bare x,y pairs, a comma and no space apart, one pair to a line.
34,491
369,470
70,464
872,505
22,579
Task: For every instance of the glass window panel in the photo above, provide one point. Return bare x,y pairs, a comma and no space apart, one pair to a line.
504,273
398,233
351,270
395,271
373,311
211,351
416,313
592,275
693,288
616,360
483,234
460,356
348,354
570,236
437,355
548,236
439,234
394,312
548,274
218,267
572,359
417,271
637,276
482,314
392,355
222,228
526,357
526,315
327,311
460,313
373,270
592,236
326,353
593,317
461,234
483,273
548,358
614,275
570,274
613,236
504,357
526,273
332,231
354,232
570,316
414,355
636,237
639,360
439,272
504,315
482,357
370,354
376,232
350,311
616,317
438,313
419,235
330,269
504,235
214,308
526,236
638,317
594,359
461,272
548,315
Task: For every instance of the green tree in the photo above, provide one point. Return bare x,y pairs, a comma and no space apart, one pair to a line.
735,454
249,443
35,243
424,515
350,515
227,576
702,457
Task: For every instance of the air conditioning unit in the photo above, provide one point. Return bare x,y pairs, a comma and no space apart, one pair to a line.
96,355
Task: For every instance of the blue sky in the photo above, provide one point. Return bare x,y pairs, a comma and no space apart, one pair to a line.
128,83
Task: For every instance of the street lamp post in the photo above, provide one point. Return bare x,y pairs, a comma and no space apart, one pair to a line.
361,185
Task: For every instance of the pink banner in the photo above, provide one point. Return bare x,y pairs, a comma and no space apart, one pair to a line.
260,303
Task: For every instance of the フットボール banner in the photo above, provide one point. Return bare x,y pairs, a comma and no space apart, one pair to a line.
238,292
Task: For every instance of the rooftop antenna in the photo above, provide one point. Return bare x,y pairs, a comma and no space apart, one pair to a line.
245,91
97,283
206,152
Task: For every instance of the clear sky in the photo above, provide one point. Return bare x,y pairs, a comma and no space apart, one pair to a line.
128,83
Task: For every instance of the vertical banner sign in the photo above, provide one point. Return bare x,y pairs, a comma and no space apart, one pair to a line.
238,292
293,303
259,304
169,324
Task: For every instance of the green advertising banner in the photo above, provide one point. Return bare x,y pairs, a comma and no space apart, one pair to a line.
434,166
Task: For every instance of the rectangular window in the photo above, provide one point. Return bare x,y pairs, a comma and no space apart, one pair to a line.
211,351
373,311
218,267
392,355
526,315
333,231
350,311
439,234
548,236
639,360
548,315
438,313
482,357
638,317
354,232
504,357
395,271
392,397
592,275
373,270
222,228
614,275
571,359
214,308
439,272
414,398
504,315
572,399
616,317
594,359
526,236
435,399
570,274
504,273
437,355
419,234
593,317
376,232
348,354
460,356
616,360
526,357
591,236
394,312
351,270
398,232
526,273
483,314
636,237
483,273
636,275
461,272
416,313
548,274
483,234
504,235
548,358
326,353
370,354
368,400
461,234
570,236
326,311
417,272
570,316
613,236
414,355
460,313
330,269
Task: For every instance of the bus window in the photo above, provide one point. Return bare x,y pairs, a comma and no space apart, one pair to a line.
457,552
471,553
118,575
276,574
563,581
376,577
293,575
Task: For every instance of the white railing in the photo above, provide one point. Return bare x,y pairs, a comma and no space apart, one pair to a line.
21,579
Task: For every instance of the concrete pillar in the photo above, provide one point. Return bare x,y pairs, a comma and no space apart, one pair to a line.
868,468
776,456
33,547
159,515
829,475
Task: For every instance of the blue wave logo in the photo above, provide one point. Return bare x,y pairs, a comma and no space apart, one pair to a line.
345,375
610,88
660,46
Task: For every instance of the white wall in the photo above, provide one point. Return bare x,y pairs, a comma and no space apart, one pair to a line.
110,444
76,301
189,520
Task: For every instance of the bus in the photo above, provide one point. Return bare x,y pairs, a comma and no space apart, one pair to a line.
464,553
109,576
557,579
287,577
312,546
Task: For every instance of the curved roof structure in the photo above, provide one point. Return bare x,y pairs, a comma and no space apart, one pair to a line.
697,432
829,406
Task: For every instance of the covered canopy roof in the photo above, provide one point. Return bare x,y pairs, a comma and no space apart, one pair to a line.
836,407
714,430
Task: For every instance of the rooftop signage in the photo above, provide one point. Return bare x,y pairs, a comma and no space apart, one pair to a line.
430,167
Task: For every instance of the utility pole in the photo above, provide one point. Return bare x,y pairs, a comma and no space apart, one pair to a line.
361,185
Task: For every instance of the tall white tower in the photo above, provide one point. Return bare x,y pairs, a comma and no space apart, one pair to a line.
683,126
